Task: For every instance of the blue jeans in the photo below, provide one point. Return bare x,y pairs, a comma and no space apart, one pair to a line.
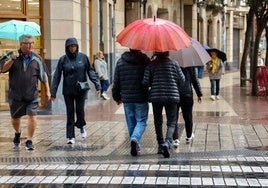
136,117
215,86
200,71
104,85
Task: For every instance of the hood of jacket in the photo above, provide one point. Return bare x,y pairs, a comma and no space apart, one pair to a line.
134,57
69,42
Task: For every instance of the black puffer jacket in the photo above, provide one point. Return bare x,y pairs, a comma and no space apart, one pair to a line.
190,80
127,84
163,76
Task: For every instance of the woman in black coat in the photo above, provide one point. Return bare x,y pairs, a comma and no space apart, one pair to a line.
187,102
75,67
163,77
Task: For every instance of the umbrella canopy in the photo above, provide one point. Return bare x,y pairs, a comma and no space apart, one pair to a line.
154,34
221,54
13,29
194,55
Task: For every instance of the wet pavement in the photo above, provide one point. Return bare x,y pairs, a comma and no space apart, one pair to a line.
230,148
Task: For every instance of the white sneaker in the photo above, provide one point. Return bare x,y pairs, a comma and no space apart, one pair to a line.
212,97
176,143
70,141
104,96
83,132
218,97
188,140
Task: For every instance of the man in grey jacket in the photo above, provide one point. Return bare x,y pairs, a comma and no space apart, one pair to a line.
25,69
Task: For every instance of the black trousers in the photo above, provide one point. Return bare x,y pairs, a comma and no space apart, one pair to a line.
74,105
171,115
186,104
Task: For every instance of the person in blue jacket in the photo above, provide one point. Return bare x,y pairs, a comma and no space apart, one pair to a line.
74,66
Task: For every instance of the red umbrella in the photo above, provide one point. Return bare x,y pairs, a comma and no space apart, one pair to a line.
154,34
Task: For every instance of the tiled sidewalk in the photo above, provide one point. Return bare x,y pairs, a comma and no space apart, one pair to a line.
229,149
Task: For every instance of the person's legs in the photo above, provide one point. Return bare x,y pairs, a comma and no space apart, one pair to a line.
187,113
171,114
212,87
176,131
16,124
158,121
141,116
80,114
104,87
69,102
80,110
200,71
129,109
217,87
32,122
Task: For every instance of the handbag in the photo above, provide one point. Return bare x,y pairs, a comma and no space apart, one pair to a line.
83,86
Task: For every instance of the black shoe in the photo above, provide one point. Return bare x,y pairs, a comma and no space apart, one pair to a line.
16,139
166,149
29,145
160,149
134,148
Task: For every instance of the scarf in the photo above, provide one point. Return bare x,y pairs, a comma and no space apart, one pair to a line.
214,64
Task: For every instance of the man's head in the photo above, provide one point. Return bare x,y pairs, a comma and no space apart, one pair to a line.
26,44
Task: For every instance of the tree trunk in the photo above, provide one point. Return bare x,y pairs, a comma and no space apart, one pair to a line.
266,56
255,63
243,68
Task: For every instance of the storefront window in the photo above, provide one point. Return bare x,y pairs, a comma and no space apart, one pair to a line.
10,6
33,7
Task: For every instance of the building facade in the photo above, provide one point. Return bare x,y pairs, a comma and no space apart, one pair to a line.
95,23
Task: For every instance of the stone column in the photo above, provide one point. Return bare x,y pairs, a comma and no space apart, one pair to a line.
229,46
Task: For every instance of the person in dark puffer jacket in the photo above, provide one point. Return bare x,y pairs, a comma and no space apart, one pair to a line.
163,76
187,102
128,89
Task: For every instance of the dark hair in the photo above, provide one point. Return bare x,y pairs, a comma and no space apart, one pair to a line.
161,54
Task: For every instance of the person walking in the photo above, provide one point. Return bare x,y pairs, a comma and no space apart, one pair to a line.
75,67
163,77
25,68
101,68
128,89
186,103
215,70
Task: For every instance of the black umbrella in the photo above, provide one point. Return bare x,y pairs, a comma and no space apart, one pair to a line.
221,54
